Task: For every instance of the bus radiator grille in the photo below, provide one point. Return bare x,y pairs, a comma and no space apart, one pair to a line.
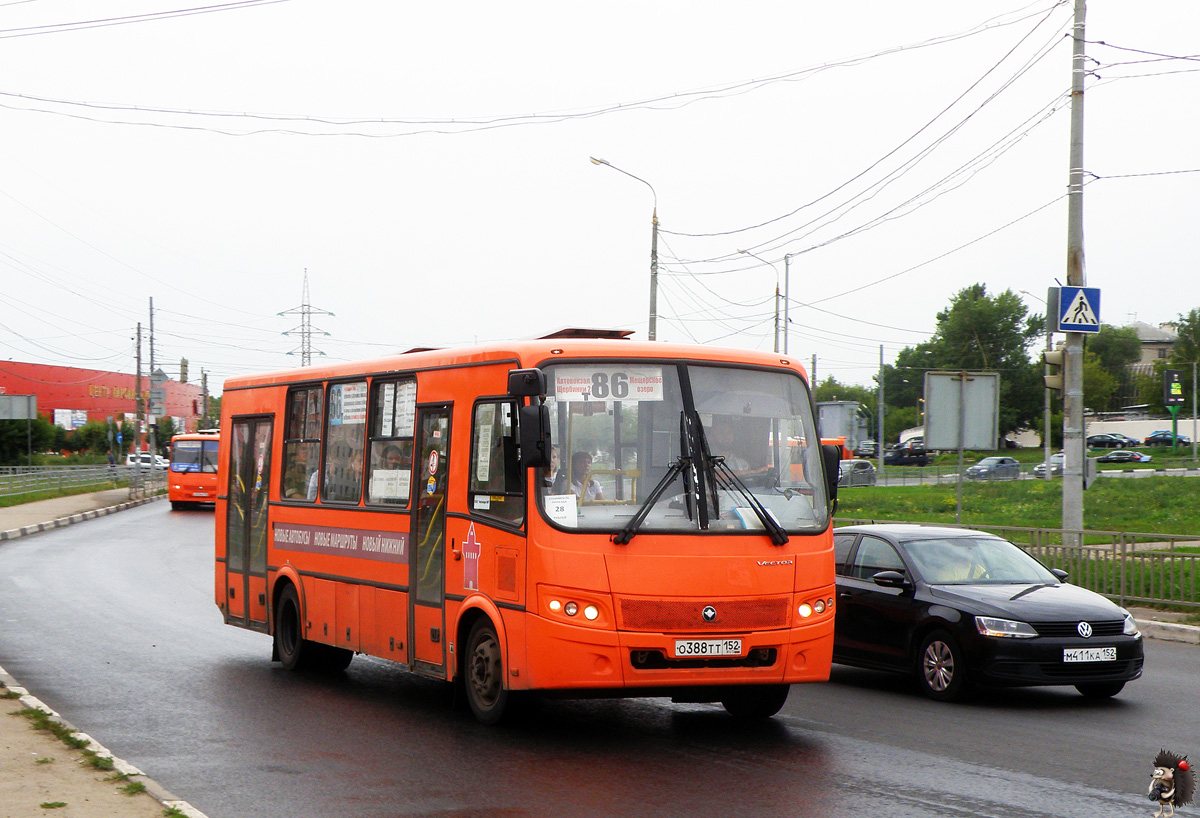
687,615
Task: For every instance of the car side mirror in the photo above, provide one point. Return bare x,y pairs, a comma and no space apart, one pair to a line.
890,579
1060,573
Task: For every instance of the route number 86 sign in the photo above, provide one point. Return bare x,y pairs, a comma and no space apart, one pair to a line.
586,383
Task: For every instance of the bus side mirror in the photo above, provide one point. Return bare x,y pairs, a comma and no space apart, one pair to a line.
526,383
831,454
535,435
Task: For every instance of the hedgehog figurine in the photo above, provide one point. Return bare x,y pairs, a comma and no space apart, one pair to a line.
1172,784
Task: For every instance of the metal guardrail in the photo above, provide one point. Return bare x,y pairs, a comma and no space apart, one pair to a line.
1127,567
23,480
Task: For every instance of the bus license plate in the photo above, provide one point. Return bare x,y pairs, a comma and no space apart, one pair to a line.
1089,654
708,647
200,494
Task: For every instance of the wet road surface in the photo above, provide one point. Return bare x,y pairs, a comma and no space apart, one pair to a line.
113,624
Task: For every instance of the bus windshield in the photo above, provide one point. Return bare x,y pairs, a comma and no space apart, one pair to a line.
681,447
194,456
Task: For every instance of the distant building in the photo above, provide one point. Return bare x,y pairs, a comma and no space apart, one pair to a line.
71,396
1157,342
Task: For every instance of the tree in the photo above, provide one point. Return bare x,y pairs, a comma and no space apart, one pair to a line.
1106,365
831,390
977,332
1185,352
17,437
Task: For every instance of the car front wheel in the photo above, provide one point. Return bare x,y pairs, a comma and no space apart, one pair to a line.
941,669
1100,690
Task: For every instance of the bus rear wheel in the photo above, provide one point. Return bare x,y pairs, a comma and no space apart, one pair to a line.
484,672
754,702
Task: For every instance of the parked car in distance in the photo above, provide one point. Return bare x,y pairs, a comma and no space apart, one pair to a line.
956,609
1109,440
867,448
1056,466
856,473
995,468
910,452
1124,456
146,460
1163,438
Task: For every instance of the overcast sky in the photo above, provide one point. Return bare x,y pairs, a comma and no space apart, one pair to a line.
427,164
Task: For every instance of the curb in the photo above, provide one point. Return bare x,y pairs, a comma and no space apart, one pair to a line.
63,522
1169,631
153,788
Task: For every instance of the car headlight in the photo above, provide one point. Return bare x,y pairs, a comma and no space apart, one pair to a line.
991,626
1131,627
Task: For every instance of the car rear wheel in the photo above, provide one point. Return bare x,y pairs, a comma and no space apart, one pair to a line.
941,670
1100,690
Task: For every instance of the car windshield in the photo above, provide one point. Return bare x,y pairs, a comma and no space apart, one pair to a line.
975,560
682,447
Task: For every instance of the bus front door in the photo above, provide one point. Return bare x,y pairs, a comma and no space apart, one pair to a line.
247,529
428,569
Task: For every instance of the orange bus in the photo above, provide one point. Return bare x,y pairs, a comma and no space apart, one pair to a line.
192,474
422,508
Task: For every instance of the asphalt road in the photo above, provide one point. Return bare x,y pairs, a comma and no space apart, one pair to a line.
113,624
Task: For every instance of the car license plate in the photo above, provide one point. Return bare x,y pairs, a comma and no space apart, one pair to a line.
708,647
1089,654
200,494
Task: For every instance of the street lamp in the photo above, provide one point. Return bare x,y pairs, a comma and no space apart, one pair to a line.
652,333
773,267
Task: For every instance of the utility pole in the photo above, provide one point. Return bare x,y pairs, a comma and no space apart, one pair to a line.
204,397
879,414
137,401
1073,438
153,418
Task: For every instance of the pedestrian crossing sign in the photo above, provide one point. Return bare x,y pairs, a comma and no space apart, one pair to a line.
1079,309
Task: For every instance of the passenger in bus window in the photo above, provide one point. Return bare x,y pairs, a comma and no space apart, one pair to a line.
584,488
313,477
551,476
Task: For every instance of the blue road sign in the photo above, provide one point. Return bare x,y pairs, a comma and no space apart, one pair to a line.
1079,309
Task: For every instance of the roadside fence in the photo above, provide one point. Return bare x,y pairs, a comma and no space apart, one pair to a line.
24,480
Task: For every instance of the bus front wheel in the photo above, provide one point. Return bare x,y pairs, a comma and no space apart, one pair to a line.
292,649
484,673
754,702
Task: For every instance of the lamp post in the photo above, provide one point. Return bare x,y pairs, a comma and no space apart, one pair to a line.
773,267
653,329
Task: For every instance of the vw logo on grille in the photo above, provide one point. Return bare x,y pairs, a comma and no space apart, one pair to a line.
1085,630
709,613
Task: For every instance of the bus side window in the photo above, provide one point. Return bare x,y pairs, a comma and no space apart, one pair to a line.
393,407
496,484
302,444
345,441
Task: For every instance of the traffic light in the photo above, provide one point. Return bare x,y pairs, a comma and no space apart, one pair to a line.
1054,360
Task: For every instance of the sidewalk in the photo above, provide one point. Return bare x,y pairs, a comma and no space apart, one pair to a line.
45,515
39,774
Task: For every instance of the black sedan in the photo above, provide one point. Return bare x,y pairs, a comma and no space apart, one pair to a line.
1124,456
958,609
1165,438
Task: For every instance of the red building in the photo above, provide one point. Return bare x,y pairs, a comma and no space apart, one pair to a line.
99,394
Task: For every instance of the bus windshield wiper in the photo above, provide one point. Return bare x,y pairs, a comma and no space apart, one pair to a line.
631,528
725,478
